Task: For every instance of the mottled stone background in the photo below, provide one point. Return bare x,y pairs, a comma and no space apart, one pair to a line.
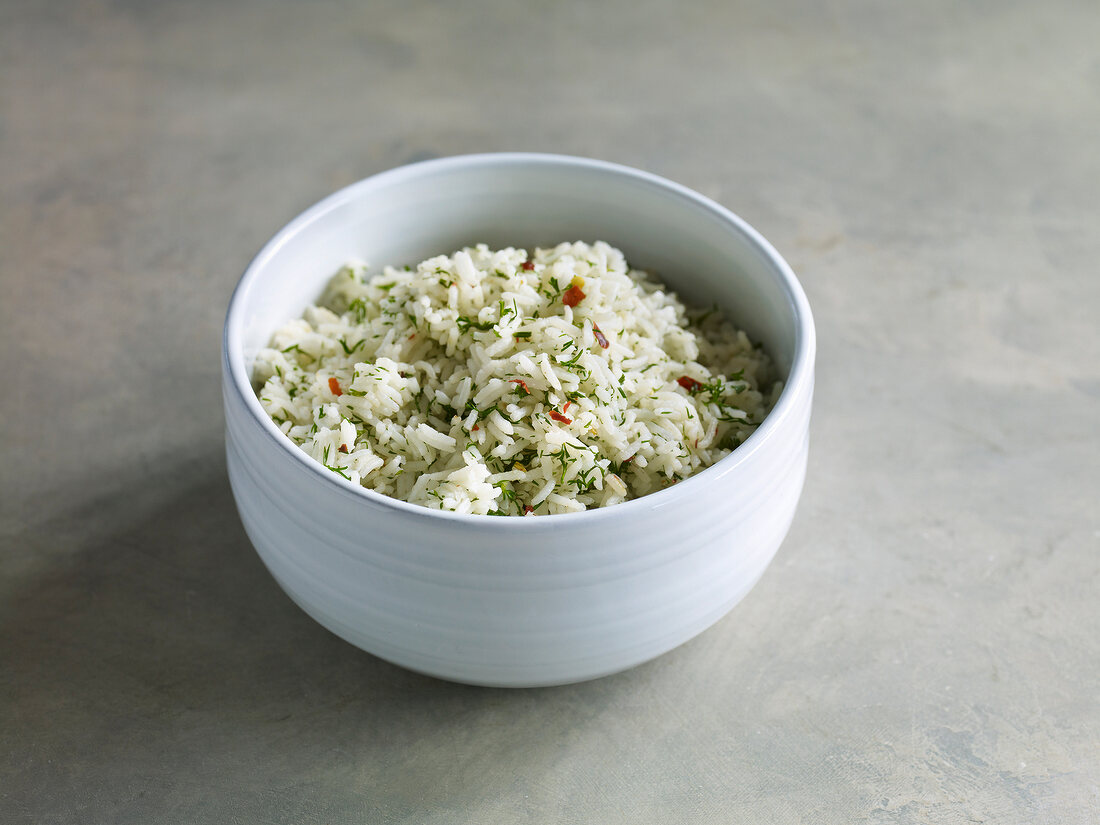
926,646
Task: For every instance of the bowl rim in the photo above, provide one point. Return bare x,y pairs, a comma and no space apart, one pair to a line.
799,380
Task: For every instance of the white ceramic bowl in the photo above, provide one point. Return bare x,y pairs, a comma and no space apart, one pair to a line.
520,601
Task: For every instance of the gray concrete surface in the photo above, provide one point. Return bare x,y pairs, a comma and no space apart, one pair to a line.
926,646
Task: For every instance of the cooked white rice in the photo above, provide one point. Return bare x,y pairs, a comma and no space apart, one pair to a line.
470,383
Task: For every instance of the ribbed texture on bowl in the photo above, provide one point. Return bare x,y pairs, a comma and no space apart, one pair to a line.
523,601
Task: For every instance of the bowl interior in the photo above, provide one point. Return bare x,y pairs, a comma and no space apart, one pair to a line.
408,214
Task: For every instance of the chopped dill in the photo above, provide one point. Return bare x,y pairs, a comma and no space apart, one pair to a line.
358,307
338,470
465,324
349,350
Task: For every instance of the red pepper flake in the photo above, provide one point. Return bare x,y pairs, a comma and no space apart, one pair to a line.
601,339
344,448
527,265
565,409
523,384
697,443
334,385
528,509
572,296
689,384
412,336
557,416
475,427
